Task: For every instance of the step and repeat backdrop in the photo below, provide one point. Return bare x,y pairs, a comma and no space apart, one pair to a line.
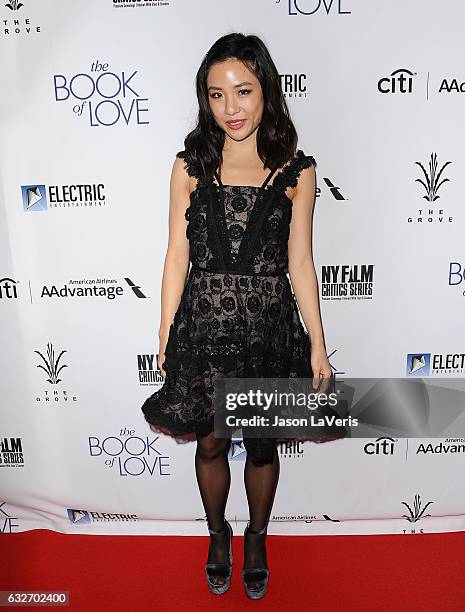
97,98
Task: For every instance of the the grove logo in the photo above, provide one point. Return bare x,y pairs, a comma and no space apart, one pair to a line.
432,180
51,364
18,25
52,367
399,81
432,176
416,512
104,96
14,5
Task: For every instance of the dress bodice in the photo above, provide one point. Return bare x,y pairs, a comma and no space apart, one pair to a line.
243,229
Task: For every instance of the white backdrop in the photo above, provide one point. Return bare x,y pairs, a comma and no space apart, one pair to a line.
380,91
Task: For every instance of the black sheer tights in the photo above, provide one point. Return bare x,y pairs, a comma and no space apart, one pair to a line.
214,479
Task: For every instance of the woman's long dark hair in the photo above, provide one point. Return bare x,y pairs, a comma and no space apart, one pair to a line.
276,134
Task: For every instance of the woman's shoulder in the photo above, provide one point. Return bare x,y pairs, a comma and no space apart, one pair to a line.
301,160
190,167
289,175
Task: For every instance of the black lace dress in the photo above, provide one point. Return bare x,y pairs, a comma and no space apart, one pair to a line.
237,316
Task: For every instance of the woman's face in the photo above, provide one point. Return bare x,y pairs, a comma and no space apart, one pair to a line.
236,98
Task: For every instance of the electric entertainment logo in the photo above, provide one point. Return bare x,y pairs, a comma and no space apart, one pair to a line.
432,180
85,517
418,364
18,25
34,197
294,85
427,364
104,97
290,449
11,452
237,450
8,289
347,282
39,197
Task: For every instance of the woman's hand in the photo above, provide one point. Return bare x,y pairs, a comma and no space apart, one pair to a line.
160,362
321,368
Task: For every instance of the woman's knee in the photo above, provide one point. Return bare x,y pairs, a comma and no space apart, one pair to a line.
209,447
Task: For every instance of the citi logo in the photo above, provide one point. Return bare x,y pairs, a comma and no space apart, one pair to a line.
399,81
381,446
8,289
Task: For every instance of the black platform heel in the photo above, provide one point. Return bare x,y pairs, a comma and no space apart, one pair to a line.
220,570
258,575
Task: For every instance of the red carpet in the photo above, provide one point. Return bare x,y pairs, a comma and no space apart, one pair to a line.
423,572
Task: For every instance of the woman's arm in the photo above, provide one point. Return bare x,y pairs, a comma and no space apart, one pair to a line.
177,254
302,270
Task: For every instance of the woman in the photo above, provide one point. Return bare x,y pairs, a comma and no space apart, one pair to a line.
248,195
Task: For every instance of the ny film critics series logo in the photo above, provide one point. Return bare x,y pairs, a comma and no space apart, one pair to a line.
139,3
11,452
103,96
52,364
16,20
347,282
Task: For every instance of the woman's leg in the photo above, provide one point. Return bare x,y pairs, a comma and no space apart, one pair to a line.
261,480
214,479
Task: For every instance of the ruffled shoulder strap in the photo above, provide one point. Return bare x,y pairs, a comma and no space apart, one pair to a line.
289,175
191,171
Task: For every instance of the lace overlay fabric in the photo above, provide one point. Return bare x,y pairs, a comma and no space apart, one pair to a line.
237,315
